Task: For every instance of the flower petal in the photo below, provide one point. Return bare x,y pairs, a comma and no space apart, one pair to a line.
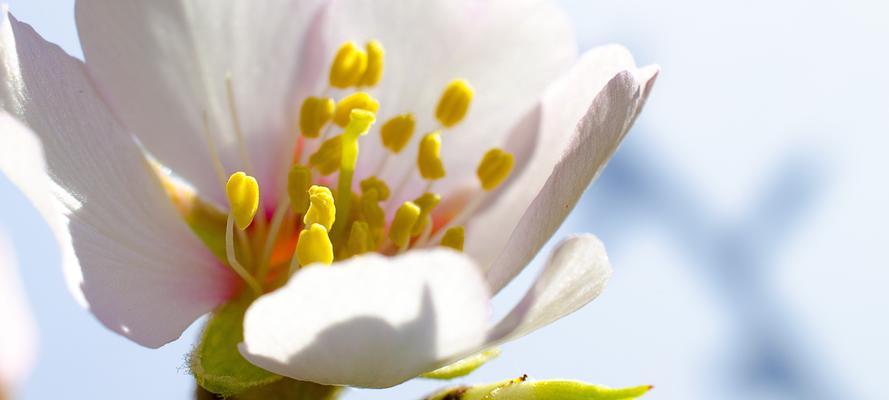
597,137
370,321
19,334
509,50
538,143
126,251
163,64
576,273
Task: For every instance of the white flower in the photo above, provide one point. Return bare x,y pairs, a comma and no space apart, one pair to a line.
18,338
209,88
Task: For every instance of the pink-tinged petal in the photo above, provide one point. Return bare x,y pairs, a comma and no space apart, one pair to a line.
538,144
509,50
370,321
597,137
126,252
162,65
18,338
575,274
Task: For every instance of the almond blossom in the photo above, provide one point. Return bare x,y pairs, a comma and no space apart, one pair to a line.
372,173
18,338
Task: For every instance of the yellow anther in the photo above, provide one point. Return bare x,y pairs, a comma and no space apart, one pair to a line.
375,63
426,202
405,218
429,157
354,101
453,238
359,238
348,67
314,114
372,183
299,179
314,246
494,168
322,210
454,102
327,158
397,132
243,198
370,211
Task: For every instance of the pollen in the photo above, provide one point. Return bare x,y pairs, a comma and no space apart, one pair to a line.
299,180
375,63
405,218
354,101
454,103
314,114
397,132
327,158
429,157
242,191
494,168
349,66
453,238
314,246
322,210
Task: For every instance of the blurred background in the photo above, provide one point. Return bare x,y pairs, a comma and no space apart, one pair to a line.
745,216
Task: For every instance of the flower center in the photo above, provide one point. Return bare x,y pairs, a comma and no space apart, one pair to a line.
324,216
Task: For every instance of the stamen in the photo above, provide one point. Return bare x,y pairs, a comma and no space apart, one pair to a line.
373,183
299,180
314,246
494,168
322,210
453,238
375,58
429,157
214,154
454,103
403,224
359,238
314,114
426,202
233,260
371,213
397,132
327,158
236,122
243,197
354,101
349,66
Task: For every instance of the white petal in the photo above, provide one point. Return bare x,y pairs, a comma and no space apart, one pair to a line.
597,137
576,274
509,50
141,271
538,145
370,321
163,63
18,338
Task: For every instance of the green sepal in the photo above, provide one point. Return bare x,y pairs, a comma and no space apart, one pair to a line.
463,367
523,389
283,389
216,363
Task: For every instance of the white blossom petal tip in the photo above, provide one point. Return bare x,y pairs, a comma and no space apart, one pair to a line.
370,321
